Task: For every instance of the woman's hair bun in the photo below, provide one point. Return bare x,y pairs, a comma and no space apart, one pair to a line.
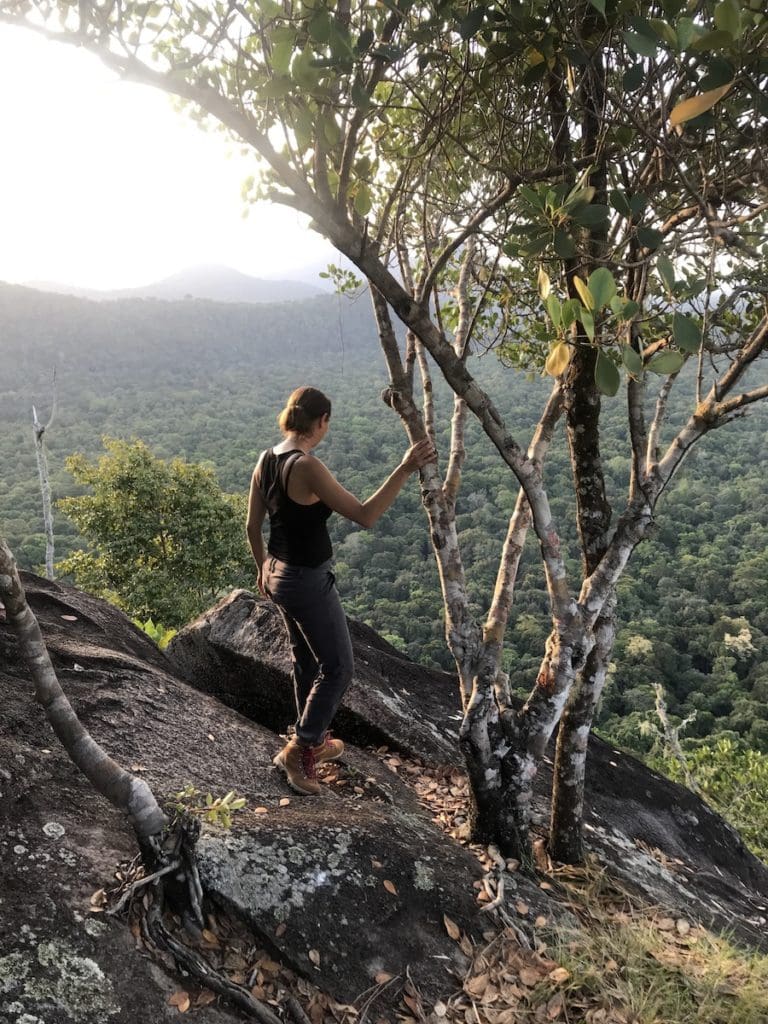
304,407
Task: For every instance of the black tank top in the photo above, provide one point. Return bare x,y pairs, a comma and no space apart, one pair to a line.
297,533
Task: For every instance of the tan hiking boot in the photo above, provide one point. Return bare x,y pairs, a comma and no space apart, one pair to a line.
298,763
328,750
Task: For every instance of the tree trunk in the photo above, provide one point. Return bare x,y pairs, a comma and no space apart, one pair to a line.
128,793
45,487
572,740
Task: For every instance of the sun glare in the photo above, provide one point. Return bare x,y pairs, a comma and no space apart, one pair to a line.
103,184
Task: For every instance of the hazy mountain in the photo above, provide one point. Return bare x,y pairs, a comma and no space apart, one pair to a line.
220,284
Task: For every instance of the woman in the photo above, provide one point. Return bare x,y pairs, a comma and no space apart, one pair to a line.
299,494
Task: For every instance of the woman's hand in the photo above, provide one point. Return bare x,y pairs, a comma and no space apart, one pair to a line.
418,455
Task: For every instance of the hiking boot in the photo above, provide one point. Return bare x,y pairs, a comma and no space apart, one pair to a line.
298,763
328,750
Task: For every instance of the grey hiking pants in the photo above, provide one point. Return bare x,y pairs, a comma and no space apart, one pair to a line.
320,645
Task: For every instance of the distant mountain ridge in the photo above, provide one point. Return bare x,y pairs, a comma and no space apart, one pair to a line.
217,283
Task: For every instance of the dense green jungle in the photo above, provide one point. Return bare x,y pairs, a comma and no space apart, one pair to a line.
204,381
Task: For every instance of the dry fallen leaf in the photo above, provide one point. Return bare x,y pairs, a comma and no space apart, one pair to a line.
376,864
205,998
541,921
69,618
314,956
180,1000
210,938
280,930
683,927
382,978
529,976
451,927
284,801
98,898
261,810
390,886
439,1009
555,1006
665,924
522,907
477,985
559,975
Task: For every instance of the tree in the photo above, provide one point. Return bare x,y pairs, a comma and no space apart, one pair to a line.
41,455
164,541
596,168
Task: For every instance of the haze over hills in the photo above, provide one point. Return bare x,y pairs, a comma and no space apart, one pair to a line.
218,283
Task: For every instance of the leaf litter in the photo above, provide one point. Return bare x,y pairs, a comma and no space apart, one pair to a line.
504,982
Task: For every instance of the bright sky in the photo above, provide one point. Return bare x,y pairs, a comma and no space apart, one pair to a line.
104,185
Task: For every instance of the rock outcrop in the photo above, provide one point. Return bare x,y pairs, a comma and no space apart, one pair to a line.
311,866
660,838
361,876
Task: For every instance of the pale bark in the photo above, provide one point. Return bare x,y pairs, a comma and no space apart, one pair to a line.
461,631
567,809
41,456
128,793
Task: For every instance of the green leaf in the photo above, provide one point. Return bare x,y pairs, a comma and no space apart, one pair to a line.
602,286
360,97
650,238
666,271
555,310
536,246
607,376
276,88
665,363
570,312
686,332
565,247
641,45
320,27
469,26
588,323
283,44
591,216
599,5
363,201
664,31
620,203
632,360
633,78
728,18
716,40
637,204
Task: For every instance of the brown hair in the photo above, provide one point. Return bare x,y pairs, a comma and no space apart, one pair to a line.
304,407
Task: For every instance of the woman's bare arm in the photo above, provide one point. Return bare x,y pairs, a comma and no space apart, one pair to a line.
323,485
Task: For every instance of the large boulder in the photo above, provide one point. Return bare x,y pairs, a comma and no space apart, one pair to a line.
660,838
238,652
310,866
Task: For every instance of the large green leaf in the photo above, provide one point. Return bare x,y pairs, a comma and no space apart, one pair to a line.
640,44
593,216
565,247
728,17
588,323
666,271
554,309
632,360
607,376
620,203
602,286
686,332
666,362
650,238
